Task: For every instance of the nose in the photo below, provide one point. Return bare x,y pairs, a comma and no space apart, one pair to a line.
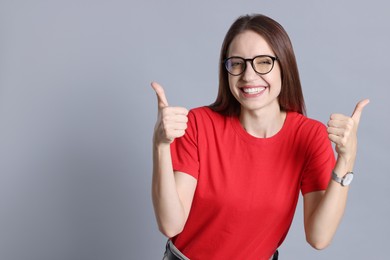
249,73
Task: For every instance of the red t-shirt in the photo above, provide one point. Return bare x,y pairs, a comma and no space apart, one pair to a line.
247,187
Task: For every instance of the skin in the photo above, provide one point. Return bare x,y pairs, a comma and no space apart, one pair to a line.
173,192
260,113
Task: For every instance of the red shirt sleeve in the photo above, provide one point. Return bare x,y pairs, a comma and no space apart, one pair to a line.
184,150
320,161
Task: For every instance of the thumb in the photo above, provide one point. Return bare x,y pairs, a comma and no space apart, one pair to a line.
161,99
359,109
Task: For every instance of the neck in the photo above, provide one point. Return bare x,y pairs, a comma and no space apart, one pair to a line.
263,124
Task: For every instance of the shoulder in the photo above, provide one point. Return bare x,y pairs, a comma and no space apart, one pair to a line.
203,120
204,113
305,125
205,110
304,121
312,135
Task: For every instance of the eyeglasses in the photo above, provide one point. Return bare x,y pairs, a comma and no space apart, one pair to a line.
261,64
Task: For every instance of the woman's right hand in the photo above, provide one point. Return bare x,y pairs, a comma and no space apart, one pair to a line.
172,191
171,121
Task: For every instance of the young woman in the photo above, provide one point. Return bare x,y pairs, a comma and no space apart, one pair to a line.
226,177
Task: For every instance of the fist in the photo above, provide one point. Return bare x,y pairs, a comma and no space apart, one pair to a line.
342,131
171,121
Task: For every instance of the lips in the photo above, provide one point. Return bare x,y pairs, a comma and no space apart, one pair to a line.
252,91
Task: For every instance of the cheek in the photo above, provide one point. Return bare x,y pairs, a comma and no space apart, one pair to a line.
279,84
231,82
276,79
277,87
278,75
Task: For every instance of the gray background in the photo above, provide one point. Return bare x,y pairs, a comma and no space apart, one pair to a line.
77,114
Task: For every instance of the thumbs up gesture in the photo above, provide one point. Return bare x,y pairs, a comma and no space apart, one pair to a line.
342,131
171,121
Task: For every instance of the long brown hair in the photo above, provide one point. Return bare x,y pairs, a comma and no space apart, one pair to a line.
290,97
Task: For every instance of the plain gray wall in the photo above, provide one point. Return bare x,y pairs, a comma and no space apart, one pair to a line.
77,115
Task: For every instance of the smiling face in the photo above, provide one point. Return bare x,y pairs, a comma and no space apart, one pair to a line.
255,92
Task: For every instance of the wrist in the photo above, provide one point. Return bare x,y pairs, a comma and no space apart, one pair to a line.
158,145
345,180
345,163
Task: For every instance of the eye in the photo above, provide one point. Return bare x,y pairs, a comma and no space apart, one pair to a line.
235,63
263,61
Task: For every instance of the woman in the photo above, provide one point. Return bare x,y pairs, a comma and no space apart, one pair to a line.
226,178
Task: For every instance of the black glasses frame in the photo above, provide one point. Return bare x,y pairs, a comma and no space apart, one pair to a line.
251,61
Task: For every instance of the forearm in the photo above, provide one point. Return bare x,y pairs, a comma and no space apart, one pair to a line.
324,210
168,208
324,221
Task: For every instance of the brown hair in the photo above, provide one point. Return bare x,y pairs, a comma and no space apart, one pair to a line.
290,97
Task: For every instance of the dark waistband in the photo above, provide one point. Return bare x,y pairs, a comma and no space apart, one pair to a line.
172,253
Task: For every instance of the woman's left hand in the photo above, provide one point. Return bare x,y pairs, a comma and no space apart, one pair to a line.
342,131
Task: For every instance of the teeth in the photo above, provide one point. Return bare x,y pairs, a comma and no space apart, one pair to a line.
252,90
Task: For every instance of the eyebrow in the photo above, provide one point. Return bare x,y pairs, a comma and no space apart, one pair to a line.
228,56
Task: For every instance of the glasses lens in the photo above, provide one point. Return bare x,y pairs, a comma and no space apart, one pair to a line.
235,66
263,64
